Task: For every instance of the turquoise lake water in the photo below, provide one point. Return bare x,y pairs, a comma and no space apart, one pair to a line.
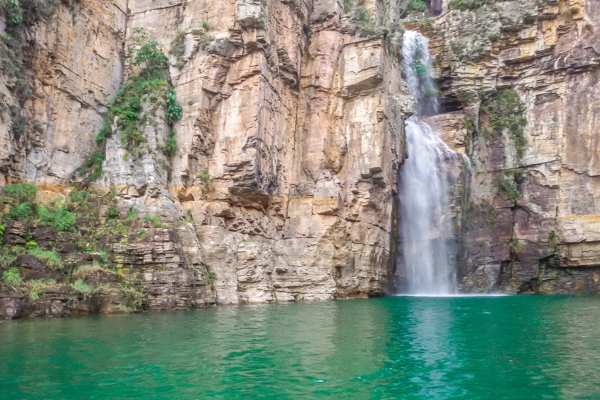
390,348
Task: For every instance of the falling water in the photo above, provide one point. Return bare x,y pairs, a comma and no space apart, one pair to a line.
425,226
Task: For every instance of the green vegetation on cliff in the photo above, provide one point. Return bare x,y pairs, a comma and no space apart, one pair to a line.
12,278
27,12
67,245
416,6
508,184
13,11
502,116
506,114
48,257
147,90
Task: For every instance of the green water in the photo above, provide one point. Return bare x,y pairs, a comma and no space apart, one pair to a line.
391,348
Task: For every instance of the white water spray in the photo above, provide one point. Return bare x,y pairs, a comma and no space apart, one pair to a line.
425,227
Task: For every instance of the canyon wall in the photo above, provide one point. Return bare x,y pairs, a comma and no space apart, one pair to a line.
280,181
281,186
520,80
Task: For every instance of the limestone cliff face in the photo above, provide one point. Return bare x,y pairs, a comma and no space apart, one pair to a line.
281,187
282,182
529,215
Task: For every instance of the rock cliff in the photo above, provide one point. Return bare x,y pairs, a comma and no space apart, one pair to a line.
238,151
518,78
280,176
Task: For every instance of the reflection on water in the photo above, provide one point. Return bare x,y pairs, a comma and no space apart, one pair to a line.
393,348
430,338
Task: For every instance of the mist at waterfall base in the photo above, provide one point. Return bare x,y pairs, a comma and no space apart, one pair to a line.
426,261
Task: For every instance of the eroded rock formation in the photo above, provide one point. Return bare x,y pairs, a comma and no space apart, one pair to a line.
529,216
282,183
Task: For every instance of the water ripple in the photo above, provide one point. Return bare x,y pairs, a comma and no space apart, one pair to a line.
392,348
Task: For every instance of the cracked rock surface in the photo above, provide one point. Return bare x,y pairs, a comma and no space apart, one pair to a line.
282,186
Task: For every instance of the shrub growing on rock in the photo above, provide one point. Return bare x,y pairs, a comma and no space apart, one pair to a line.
12,278
507,113
59,217
149,85
416,6
21,192
13,11
48,257
35,287
21,211
153,220
82,287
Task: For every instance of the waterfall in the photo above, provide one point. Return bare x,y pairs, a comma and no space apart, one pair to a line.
416,64
425,227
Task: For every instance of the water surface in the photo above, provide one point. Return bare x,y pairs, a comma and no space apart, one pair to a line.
390,348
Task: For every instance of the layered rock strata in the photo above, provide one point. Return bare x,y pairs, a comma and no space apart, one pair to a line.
282,184
529,215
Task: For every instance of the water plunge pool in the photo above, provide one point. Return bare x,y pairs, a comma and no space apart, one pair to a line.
390,348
